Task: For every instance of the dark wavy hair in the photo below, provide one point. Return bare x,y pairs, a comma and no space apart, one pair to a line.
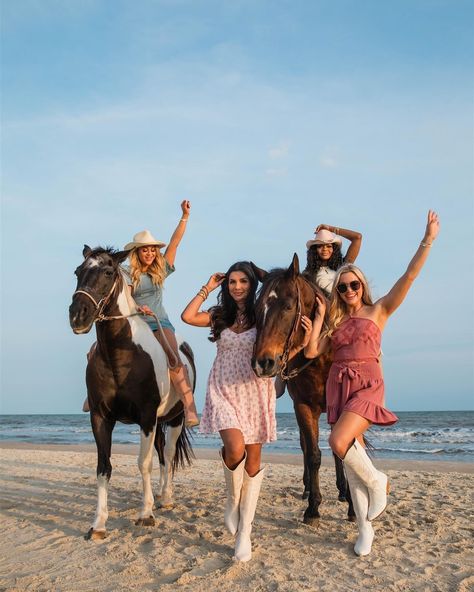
314,262
224,313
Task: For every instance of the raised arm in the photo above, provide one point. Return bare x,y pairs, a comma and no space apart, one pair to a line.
170,252
354,237
191,314
389,303
314,345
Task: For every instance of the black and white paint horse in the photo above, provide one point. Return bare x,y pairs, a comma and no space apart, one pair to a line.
127,380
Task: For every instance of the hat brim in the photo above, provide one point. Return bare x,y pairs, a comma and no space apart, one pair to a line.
131,246
336,241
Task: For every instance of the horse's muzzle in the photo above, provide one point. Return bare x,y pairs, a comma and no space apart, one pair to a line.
80,317
266,366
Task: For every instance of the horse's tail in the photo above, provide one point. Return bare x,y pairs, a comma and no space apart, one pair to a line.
184,454
184,451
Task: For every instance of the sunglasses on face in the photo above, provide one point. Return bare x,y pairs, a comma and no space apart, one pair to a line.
354,286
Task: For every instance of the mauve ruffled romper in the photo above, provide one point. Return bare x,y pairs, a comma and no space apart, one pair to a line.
355,381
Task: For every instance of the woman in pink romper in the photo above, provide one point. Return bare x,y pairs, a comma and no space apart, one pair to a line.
239,405
355,387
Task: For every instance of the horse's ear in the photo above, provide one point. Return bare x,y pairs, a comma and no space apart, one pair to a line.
260,273
120,256
86,251
294,268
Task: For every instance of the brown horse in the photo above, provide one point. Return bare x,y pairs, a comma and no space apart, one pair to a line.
284,296
127,380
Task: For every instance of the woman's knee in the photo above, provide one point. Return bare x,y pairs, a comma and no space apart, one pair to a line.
338,444
233,455
252,464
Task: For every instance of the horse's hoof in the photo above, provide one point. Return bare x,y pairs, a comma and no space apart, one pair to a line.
342,497
95,535
351,518
165,505
150,521
305,494
311,520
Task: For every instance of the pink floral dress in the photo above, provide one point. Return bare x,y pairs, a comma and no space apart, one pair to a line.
355,382
235,396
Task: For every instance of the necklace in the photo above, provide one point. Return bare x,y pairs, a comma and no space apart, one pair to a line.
240,318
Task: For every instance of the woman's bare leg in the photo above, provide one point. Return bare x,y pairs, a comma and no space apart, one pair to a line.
234,448
179,377
349,427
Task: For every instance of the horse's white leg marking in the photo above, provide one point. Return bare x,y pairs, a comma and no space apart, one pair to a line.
170,449
145,464
101,513
162,480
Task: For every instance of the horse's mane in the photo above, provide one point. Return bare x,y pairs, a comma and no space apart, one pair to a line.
108,250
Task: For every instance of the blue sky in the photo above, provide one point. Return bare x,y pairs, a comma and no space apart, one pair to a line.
271,117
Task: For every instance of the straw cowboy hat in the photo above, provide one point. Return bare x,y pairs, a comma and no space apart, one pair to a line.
324,237
144,239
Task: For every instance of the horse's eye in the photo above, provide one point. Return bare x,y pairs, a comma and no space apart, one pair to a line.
109,273
288,306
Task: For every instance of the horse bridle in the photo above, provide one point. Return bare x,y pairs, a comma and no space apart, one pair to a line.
289,342
99,306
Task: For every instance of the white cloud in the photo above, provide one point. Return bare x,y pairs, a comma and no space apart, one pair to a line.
328,162
276,172
280,150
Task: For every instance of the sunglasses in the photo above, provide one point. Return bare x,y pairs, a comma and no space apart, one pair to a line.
354,286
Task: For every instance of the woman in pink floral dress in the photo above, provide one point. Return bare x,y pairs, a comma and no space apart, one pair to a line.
239,405
355,386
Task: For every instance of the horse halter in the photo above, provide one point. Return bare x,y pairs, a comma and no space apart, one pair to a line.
99,306
289,342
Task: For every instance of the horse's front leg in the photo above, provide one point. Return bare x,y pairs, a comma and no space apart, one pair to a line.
309,430
343,488
145,464
102,430
172,435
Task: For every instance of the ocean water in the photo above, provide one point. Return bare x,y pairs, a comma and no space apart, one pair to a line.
437,435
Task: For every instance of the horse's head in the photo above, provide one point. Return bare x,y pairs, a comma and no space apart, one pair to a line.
97,278
283,297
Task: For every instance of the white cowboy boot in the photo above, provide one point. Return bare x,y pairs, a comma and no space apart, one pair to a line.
376,482
233,482
360,500
248,504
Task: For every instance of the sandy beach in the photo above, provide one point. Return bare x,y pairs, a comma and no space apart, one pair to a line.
423,541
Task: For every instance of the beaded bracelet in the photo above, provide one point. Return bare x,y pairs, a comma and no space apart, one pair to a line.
202,294
423,244
183,220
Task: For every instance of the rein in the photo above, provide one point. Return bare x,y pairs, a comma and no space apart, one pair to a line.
173,361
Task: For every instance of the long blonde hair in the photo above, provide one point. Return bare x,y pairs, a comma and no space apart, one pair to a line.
157,270
337,307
